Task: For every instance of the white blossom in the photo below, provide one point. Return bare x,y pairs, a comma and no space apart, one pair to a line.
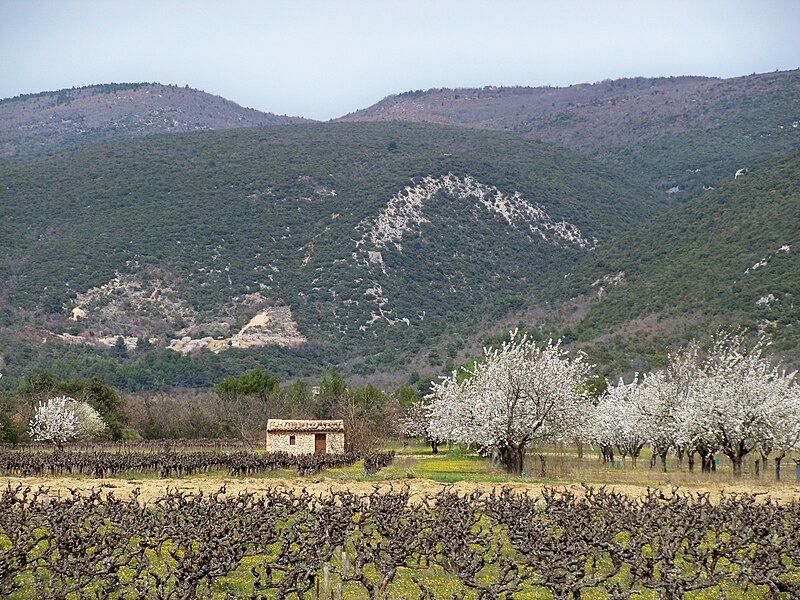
784,418
728,399
738,390
517,395
54,420
90,423
666,404
620,419
61,419
417,424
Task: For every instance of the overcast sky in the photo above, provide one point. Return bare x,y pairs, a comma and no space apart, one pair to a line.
322,59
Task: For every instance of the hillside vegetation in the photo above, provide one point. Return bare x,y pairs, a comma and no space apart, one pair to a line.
728,258
368,241
51,121
679,135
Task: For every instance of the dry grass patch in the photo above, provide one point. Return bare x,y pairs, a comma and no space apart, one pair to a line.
154,488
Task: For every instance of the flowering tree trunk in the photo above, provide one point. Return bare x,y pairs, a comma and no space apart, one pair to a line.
512,458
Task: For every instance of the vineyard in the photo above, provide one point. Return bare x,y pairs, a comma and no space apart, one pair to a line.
392,544
174,463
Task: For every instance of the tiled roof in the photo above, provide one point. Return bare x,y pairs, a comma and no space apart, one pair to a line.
308,425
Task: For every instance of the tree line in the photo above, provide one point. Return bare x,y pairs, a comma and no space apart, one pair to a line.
238,407
722,398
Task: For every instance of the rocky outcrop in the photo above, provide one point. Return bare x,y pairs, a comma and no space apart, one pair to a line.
404,212
272,327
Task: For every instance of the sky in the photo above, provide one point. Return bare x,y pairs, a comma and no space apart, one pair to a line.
322,59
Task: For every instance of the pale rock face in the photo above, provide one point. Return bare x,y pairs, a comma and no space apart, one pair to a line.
765,261
766,300
272,327
111,341
403,212
758,265
380,301
128,294
133,302
612,280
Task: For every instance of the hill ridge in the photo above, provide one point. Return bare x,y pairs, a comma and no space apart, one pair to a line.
51,121
726,259
680,135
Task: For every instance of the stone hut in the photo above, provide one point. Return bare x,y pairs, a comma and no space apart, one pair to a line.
305,436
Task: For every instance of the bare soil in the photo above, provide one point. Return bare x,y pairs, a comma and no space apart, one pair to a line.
154,488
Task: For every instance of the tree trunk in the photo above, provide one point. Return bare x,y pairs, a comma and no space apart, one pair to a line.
764,457
513,459
737,464
778,460
690,460
705,464
434,447
708,462
663,457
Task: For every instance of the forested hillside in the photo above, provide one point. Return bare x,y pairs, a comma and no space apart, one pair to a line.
355,244
51,121
729,258
678,135
391,247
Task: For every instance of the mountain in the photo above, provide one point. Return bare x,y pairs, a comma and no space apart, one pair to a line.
392,246
729,258
678,135
51,121
358,244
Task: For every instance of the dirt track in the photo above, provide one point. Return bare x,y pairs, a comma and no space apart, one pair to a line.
153,488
